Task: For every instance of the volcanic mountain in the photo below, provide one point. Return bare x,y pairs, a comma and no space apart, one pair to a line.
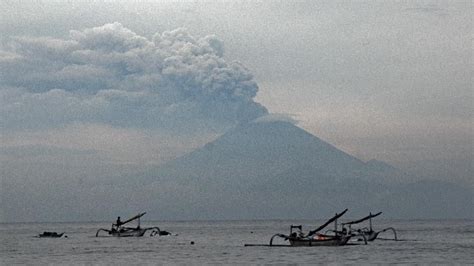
278,170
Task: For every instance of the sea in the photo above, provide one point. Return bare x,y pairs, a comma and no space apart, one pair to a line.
223,242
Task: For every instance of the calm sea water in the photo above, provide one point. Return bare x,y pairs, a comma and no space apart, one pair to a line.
427,241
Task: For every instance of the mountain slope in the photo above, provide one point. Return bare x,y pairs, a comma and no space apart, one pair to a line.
277,170
260,151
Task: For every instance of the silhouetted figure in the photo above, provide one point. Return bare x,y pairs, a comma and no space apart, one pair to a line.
116,226
118,223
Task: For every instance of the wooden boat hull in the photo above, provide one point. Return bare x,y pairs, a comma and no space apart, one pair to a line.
371,236
339,241
50,235
129,233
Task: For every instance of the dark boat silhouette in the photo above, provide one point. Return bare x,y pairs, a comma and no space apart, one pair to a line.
50,235
298,238
367,232
119,230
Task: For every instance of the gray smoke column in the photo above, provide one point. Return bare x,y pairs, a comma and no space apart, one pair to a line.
111,75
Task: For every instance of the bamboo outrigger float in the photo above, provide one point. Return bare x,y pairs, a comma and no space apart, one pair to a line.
313,238
367,233
118,230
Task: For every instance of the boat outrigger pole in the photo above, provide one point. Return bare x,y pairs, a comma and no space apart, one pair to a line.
133,218
333,219
368,217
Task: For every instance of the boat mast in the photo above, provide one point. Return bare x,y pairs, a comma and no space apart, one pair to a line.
370,221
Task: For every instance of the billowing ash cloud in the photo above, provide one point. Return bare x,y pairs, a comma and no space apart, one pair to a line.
111,75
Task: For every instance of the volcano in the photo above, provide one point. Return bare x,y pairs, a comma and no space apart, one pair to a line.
264,170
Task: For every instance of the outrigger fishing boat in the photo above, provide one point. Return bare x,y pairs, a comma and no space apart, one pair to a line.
313,238
368,234
119,230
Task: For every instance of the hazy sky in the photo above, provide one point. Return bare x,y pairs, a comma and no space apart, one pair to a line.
126,83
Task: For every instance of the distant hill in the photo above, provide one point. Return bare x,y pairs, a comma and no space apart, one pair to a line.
278,170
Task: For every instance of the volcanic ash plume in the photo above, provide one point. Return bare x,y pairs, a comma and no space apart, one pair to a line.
111,75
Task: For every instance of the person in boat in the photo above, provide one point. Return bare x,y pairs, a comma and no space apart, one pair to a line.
116,226
344,231
298,234
118,223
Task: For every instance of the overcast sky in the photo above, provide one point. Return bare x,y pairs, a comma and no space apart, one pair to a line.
132,83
